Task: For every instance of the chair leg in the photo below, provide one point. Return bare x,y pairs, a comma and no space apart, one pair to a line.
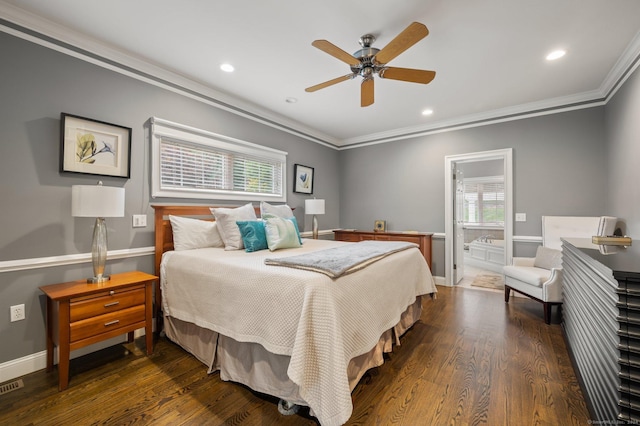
547,312
560,311
507,293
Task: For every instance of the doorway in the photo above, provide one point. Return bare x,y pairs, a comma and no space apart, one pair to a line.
455,210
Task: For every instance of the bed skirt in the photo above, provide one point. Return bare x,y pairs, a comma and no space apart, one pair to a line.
252,365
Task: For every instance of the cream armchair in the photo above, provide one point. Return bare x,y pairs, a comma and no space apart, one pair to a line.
539,278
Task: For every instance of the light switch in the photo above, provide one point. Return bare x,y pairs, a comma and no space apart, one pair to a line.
139,220
521,217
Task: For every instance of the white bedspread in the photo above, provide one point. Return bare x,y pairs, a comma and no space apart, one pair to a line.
319,322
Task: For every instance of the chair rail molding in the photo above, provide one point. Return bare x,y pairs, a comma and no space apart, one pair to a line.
70,259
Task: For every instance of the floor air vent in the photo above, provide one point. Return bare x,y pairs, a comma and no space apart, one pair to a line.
11,386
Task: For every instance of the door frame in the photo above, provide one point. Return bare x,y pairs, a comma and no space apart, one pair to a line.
449,162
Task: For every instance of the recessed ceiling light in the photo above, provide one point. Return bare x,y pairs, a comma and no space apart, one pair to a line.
291,100
427,112
227,67
556,54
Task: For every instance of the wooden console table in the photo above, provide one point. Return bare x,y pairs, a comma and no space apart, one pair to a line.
422,239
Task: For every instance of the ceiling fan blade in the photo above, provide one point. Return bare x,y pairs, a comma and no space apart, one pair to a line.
407,38
408,74
336,52
329,83
366,92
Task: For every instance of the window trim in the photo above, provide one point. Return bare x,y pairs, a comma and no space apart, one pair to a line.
163,128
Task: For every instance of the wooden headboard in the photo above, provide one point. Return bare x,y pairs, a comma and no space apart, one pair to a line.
164,233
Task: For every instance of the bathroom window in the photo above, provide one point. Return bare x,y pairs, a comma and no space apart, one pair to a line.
484,201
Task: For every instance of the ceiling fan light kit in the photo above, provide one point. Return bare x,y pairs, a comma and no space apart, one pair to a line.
369,61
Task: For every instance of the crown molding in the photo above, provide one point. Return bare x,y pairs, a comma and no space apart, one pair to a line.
46,33
38,30
622,69
518,112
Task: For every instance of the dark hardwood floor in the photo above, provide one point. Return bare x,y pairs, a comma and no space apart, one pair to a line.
472,359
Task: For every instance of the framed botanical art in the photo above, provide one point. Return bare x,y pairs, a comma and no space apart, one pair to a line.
94,147
303,179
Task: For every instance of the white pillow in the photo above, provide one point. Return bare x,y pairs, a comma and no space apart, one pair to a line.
226,219
281,233
280,211
547,258
194,233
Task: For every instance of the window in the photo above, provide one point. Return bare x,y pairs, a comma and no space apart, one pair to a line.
193,163
484,201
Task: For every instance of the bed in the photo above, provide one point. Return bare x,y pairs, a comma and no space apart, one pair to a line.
295,334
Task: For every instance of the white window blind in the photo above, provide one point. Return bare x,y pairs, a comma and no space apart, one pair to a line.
484,202
193,163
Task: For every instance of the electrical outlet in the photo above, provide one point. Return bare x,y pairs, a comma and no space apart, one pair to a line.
139,220
17,312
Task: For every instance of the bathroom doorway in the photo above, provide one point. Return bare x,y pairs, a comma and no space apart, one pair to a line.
478,214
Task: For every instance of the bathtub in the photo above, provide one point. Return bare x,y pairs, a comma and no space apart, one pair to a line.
486,254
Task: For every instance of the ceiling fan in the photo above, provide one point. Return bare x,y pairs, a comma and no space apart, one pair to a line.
369,61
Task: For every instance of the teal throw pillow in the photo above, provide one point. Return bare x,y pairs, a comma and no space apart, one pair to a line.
253,235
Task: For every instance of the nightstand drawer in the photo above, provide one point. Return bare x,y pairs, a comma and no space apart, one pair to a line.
104,323
104,303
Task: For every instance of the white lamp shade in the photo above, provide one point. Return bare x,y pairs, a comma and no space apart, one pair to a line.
314,206
97,201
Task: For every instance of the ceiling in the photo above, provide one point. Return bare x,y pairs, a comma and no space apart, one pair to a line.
489,56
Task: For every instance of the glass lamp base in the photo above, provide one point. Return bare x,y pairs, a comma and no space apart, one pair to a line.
99,252
315,227
100,279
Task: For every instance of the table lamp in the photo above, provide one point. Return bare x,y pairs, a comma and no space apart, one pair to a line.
97,201
314,207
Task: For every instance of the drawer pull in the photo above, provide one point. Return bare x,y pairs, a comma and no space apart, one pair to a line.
108,305
106,324
112,292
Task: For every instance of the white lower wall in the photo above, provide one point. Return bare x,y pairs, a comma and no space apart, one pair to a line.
38,361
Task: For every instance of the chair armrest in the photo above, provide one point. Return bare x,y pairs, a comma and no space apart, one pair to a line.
523,261
552,289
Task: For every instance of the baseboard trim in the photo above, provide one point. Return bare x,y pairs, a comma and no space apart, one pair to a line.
38,361
21,366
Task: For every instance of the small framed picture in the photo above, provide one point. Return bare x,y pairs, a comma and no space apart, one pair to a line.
94,147
303,179
380,226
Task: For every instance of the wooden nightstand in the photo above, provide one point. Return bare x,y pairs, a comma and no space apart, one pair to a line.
89,313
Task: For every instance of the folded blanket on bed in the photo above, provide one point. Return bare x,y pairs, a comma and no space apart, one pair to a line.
339,261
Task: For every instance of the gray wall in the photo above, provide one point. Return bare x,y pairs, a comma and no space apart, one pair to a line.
575,163
36,85
558,169
623,137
